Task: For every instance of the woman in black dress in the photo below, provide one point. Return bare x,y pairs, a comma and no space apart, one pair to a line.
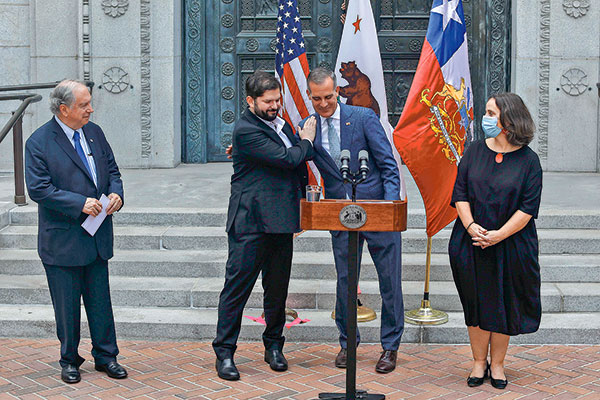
494,246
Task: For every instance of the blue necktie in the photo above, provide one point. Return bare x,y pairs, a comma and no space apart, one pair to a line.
334,142
80,152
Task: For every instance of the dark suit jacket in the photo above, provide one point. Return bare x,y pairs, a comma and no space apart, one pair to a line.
360,130
59,182
268,179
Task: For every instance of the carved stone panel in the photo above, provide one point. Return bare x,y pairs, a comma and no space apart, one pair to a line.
115,8
576,8
115,80
574,82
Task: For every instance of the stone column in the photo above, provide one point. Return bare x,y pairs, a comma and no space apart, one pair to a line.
131,49
136,64
15,49
556,50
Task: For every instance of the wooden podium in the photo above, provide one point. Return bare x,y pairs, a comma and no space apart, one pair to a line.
345,215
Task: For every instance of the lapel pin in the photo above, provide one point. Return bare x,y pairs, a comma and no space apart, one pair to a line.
92,140
347,123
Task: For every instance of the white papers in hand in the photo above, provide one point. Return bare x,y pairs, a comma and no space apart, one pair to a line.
91,223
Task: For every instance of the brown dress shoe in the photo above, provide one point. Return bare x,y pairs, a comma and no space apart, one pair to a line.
340,360
387,361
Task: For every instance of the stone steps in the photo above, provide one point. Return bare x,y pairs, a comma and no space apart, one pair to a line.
199,324
314,294
548,218
211,263
552,241
169,266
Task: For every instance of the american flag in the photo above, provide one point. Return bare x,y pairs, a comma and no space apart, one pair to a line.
291,68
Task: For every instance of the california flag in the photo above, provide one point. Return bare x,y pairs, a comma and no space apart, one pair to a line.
359,71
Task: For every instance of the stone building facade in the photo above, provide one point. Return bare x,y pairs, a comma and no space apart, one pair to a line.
169,73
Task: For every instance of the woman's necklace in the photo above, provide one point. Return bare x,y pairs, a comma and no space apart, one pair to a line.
500,157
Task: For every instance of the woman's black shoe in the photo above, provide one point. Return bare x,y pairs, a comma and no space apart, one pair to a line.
474,381
498,383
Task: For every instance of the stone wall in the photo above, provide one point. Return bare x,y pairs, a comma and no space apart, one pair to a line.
15,59
131,49
556,64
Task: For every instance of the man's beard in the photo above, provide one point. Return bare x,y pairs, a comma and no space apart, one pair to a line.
264,114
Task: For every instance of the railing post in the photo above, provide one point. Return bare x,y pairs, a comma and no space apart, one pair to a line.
20,199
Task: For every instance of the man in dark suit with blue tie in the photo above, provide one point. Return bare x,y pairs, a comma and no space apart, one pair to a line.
268,181
69,165
344,127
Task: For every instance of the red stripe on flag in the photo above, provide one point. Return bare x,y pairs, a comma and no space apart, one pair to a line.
295,91
304,62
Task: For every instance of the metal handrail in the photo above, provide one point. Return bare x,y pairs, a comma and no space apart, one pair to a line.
16,124
27,99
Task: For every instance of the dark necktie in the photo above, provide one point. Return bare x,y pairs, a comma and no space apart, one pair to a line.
80,152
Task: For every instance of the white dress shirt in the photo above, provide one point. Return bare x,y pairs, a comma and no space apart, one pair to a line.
84,145
325,129
277,125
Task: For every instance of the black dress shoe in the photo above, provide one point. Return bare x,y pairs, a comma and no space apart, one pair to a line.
341,359
227,370
70,374
113,369
276,360
474,381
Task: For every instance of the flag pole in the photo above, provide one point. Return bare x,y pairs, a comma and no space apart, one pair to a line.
425,315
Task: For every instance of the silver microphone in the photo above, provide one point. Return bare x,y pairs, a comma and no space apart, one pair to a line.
363,159
345,160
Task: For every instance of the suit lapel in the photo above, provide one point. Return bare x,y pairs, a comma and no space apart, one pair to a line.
346,127
62,140
288,131
265,128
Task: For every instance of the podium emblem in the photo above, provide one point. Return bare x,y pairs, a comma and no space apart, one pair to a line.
353,216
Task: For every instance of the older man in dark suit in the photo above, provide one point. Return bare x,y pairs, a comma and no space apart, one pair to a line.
269,176
69,165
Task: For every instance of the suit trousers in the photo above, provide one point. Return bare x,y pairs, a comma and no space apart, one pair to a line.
67,286
249,254
386,251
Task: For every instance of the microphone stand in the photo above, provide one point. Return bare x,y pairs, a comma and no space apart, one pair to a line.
355,178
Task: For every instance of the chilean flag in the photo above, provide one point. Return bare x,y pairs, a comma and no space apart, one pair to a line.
437,119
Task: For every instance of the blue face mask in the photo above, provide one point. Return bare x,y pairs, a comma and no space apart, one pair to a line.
490,126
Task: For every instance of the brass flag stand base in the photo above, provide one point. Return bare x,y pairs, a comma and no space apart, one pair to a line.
363,313
290,314
426,315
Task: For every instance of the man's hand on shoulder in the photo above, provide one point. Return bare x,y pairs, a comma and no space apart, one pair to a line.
310,129
115,203
92,206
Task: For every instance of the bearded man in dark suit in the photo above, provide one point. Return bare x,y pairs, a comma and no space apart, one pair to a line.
268,181
69,165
